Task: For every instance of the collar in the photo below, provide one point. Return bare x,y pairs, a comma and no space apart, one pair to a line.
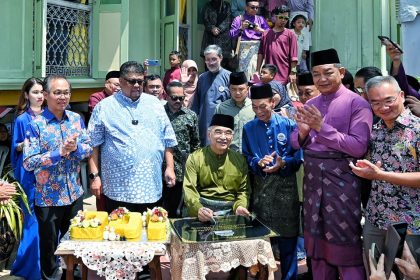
50,116
247,102
126,100
217,156
403,120
183,110
330,96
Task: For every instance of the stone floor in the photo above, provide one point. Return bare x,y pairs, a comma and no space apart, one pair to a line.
90,204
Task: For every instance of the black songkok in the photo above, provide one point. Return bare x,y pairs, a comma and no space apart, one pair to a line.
261,91
329,56
305,79
222,120
238,78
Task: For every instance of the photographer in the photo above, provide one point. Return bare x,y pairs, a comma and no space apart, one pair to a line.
248,29
407,265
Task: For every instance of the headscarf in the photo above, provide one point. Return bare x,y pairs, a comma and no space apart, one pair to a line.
190,87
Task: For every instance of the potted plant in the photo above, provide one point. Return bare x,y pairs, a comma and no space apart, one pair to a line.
11,216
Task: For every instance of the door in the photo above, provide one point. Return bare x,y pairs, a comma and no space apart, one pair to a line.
169,28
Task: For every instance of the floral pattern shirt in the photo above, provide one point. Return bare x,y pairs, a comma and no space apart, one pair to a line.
398,150
57,177
185,125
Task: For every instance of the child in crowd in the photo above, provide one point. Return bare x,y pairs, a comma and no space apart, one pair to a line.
281,97
174,73
298,24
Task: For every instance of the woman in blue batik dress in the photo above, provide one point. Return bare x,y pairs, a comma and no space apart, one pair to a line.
31,103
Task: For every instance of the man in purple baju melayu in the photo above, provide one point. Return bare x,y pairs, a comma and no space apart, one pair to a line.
333,129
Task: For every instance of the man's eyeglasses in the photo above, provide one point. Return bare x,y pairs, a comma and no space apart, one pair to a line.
282,17
134,82
219,133
254,7
359,90
59,93
175,98
387,102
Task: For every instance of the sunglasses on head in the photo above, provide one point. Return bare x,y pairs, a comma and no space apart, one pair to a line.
134,81
175,98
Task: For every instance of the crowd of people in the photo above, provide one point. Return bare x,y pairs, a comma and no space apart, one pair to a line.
267,137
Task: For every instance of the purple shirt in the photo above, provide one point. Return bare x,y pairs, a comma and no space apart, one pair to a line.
302,5
347,124
403,83
280,49
248,34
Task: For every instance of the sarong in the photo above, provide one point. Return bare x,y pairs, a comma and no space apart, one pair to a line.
332,209
275,201
248,55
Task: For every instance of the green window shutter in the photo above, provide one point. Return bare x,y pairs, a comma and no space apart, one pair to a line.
106,37
16,31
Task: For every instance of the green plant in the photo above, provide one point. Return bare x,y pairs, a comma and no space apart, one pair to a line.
10,210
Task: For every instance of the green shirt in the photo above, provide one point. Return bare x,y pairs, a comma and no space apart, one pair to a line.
215,177
241,116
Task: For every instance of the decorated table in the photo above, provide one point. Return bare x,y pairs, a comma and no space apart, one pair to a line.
197,248
113,259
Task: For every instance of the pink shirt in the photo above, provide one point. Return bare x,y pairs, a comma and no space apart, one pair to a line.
280,49
172,74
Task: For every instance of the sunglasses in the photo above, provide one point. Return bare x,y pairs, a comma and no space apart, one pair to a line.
175,98
254,7
282,17
134,81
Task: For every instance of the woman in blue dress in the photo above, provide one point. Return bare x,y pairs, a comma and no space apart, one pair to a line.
31,103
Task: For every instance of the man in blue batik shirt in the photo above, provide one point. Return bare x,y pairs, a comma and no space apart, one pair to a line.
133,134
271,158
56,141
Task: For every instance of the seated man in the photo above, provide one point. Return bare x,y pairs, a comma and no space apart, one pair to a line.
216,178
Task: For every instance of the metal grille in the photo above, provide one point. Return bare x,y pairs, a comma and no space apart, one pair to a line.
67,45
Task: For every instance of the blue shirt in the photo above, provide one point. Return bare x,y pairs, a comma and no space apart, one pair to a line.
57,177
131,155
212,89
261,139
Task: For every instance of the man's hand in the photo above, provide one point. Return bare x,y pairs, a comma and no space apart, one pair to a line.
279,163
184,75
215,31
414,105
244,24
408,265
242,211
378,273
170,177
69,145
309,24
6,190
311,116
96,186
205,214
366,169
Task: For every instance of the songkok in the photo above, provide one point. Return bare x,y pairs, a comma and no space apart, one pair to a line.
112,74
222,120
329,56
261,91
305,79
238,78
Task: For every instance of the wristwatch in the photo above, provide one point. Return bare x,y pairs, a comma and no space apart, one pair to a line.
293,70
93,175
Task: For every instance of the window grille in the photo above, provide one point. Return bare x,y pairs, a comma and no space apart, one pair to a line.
67,41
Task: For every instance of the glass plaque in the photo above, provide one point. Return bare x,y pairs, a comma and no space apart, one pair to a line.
228,228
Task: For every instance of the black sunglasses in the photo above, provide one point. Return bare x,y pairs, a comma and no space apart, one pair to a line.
134,81
253,7
175,98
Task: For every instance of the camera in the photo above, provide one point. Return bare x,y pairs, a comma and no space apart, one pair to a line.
251,25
